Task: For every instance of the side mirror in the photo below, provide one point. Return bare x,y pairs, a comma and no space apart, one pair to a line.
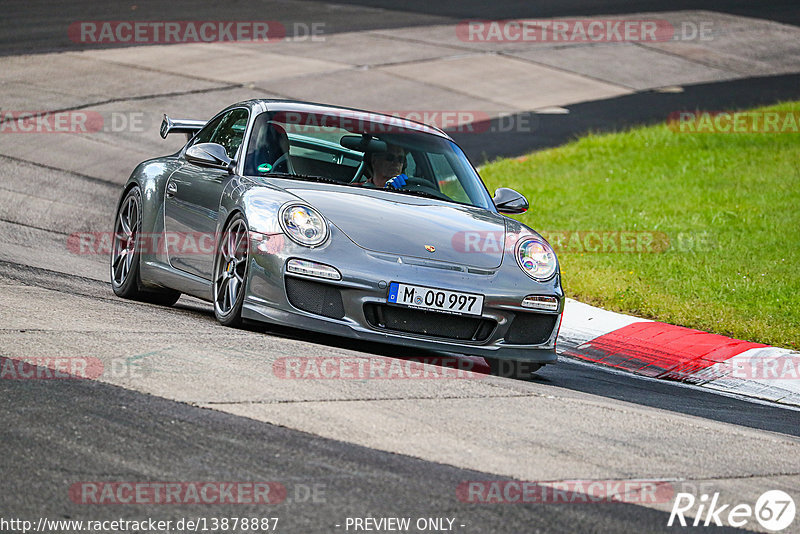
210,155
509,201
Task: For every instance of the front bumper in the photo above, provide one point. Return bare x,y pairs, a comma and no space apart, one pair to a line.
354,306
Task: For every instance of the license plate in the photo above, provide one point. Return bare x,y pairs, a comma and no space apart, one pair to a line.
428,298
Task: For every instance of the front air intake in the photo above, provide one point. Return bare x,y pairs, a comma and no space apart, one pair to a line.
531,328
428,323
314,297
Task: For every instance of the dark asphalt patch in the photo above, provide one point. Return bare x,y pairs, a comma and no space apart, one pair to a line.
502,137
56,434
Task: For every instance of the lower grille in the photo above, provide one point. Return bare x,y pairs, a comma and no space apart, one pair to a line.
314,297
531,328
428,323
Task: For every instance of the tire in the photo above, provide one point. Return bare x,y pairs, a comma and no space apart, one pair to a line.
517,369
125,254
230,271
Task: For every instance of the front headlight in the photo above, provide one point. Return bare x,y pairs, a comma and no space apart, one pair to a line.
304,225
536,258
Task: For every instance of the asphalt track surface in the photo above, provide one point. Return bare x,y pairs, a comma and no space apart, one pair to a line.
55,433
108,430
41,26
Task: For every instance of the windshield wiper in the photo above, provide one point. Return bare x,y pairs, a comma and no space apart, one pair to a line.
417,193
305,177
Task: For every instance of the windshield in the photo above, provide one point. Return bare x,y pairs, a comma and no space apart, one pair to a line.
362,153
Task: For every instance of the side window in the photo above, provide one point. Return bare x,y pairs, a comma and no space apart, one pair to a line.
226,130
268,149
204,135
231,132
446,178
411,165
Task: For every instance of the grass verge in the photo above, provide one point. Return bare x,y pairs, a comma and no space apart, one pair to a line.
712,219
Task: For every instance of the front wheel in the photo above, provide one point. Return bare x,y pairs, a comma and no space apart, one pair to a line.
230,271
125,254
518,369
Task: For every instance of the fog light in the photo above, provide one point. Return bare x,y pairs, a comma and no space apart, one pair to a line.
310,268
537,302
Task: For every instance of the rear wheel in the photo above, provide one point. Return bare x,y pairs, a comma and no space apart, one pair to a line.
125,254
230,271
518,369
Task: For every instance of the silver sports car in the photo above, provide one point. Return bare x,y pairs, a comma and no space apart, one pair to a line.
343,222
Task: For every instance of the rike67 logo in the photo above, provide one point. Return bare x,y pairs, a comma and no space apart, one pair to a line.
774,511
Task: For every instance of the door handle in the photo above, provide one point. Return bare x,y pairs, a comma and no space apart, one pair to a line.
172,188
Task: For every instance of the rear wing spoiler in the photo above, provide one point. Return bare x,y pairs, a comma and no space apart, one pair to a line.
186,126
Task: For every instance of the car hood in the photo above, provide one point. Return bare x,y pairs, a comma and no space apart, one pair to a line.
408,226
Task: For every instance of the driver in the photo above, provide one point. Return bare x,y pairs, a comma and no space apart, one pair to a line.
387,168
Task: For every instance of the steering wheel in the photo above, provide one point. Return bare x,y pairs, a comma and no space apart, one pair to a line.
284,159
359,173
420,184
